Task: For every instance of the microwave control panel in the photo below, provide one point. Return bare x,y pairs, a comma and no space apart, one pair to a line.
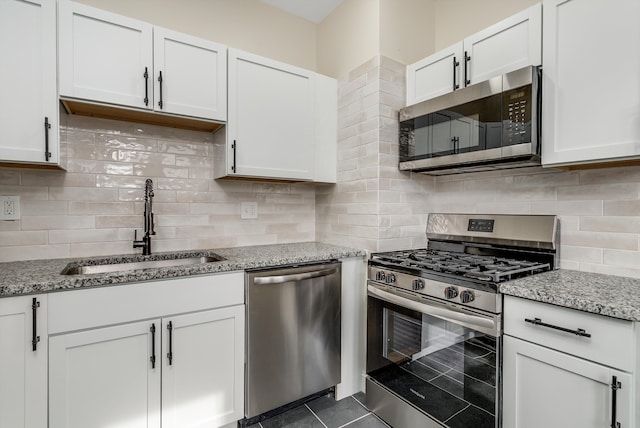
516,116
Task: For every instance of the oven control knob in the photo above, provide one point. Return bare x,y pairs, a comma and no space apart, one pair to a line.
417,284
380,275
466,296
450,292
391,278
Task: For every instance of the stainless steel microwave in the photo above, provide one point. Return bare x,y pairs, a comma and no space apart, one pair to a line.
490,125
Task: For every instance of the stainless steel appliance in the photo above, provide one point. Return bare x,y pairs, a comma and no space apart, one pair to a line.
293,334
434,318
490,125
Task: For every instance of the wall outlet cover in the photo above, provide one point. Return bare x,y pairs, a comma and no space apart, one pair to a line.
248,210
9,207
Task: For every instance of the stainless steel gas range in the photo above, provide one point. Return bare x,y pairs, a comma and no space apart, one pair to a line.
434,318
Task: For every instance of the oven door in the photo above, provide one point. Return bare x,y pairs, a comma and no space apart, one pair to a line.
430,364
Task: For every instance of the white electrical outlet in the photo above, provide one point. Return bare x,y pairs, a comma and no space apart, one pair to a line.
9,207
248,210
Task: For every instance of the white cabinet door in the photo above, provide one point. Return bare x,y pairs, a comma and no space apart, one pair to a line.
23,369
591,81
270,130
103,56
194,75
511,44
28,73
203,381
104,377
435,75
546,388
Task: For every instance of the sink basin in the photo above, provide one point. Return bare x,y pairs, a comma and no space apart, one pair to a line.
73,269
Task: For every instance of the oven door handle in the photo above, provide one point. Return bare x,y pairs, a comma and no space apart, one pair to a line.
483,324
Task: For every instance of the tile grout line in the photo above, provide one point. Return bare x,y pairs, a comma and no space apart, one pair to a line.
317,417
356,419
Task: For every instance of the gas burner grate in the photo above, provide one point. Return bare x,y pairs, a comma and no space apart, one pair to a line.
478,267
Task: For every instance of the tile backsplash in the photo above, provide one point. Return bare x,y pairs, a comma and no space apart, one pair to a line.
94,207
376,207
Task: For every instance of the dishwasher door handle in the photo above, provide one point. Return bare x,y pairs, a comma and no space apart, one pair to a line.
293,277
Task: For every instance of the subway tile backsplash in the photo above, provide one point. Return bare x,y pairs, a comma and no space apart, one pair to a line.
94,207
379,208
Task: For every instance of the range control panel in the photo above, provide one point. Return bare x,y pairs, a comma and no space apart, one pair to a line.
480,225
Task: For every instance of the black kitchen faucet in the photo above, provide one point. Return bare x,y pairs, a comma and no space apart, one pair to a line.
145,243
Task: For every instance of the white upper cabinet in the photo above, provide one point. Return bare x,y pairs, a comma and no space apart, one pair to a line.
104,56
190,75
113,59
270,129
591,81
435,75
506,46
503,47
28,104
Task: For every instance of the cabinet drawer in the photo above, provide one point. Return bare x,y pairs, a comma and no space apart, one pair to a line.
611,343
97,307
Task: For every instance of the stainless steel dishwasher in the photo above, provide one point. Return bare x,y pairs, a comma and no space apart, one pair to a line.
293,334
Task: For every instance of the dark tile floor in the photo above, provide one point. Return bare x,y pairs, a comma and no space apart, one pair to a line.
325,412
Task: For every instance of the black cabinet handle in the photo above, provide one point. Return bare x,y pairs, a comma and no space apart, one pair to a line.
153,346
577,332
47,127
170,353
146,86
160,80
456,63
34,329
615,386
233,147
467,58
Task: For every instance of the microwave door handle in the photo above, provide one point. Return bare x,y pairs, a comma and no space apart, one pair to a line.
447,314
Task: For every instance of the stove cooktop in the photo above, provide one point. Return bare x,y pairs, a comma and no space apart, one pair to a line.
477,267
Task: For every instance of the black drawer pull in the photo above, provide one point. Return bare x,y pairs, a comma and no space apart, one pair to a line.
577,332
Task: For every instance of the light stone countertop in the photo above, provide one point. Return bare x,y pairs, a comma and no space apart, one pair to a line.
42,276
608,295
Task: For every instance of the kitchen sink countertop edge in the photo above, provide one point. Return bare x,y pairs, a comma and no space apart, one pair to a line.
43,276
608,295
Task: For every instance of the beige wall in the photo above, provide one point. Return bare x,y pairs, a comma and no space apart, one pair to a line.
348,37
457,19
248,25
407,29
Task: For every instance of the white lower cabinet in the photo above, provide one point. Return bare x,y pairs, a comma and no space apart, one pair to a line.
157,354
199,381
547,388
104,378
565,368
23,362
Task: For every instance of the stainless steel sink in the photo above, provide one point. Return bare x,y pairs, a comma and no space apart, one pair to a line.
73,269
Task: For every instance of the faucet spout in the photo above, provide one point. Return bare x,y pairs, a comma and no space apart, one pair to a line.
145,242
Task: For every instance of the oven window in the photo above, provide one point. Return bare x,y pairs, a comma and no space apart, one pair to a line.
448,371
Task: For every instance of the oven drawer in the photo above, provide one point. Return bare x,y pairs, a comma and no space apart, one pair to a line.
611,340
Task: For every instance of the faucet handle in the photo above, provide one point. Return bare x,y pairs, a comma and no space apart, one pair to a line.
152,230
135,234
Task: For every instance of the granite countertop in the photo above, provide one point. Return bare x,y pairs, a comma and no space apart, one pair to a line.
41,276
609,295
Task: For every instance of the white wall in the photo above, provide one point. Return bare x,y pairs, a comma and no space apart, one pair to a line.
248,25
